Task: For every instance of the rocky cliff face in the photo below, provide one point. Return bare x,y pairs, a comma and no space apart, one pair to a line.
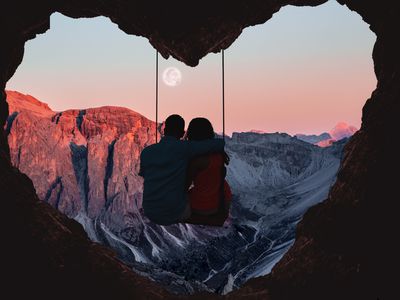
76,157
85,163
327,260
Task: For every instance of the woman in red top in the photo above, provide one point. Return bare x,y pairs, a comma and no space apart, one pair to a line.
205,174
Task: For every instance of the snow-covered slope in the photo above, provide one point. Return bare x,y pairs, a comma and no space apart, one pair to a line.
275,178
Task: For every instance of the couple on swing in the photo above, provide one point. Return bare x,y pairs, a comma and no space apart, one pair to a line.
184,180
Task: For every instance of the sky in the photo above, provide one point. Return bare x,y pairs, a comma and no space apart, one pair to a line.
302,71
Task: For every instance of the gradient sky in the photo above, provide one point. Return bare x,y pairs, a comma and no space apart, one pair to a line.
302,71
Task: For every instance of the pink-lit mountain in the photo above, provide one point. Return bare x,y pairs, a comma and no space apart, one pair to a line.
340,131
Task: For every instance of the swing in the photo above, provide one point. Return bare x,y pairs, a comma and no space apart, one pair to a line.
218,218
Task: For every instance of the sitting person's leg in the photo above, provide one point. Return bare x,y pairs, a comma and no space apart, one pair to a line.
213,211
216,219
186,213
205,212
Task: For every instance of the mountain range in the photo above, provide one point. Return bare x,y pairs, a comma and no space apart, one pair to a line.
85,163
340,131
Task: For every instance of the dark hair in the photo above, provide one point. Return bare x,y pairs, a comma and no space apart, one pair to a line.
174,126
200,129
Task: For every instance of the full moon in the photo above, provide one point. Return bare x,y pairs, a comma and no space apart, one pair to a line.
172,76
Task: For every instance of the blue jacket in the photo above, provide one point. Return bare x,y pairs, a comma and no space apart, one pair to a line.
163,167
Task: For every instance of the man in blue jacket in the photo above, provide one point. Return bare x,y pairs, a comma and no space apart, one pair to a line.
163,167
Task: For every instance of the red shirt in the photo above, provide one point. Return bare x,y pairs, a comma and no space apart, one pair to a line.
205,195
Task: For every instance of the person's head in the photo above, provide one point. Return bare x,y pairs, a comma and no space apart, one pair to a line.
200,129
174,126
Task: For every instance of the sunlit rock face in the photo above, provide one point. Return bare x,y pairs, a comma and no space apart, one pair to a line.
326,254
76,157
341,130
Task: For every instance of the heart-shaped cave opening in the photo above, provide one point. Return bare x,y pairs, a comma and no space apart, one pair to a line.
288,82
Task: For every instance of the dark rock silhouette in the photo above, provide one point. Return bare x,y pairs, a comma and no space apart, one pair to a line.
344,247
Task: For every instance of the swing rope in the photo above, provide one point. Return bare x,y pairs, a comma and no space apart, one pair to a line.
156,95
223,94
221,209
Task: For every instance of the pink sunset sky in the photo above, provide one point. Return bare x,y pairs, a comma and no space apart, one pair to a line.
301,72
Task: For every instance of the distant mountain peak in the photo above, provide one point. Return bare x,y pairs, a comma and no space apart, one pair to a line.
313,138
342,130
18,102
258,131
